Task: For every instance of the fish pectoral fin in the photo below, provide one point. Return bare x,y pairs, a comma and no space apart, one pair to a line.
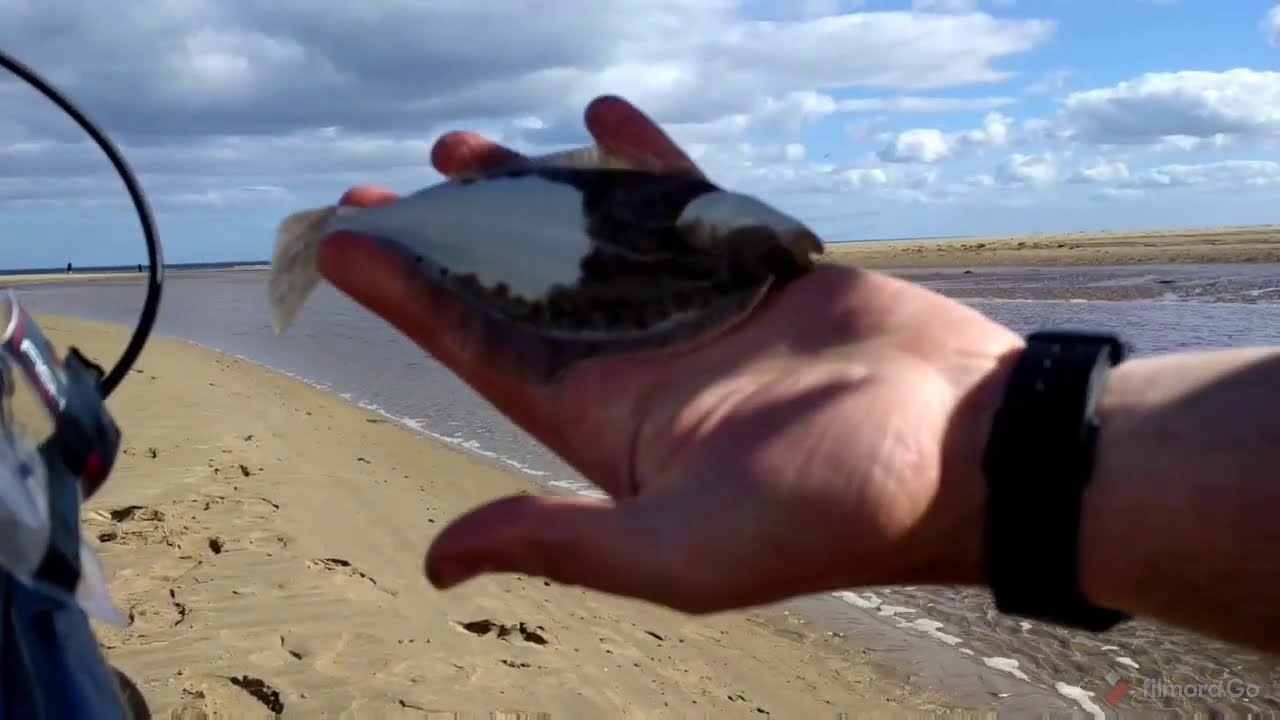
763,251
294,262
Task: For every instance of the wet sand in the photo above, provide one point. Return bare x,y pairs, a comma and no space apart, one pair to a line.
1246,283
1211,245
266,538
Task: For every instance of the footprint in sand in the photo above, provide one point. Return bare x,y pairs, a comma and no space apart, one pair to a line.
264,541
249,511
533,635
133,526
260,506
236,696
344,569
150,612
298,647
182,525
288,649
320,650
233,470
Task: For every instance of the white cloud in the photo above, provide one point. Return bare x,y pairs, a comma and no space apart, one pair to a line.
918,104
1271,25
918,145
1224,174
1031,170
1238,103
995,130
210,66
1052,83
944,6
930,145
828,110
799,9
796,109
1118,193
862,178
1102,171
298,93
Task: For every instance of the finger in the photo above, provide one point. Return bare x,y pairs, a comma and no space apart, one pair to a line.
367,196
466,154
614,548
620,128
617,127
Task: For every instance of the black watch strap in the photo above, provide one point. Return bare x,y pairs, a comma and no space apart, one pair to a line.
1038,462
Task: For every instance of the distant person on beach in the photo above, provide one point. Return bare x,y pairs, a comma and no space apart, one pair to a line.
68,268
836,441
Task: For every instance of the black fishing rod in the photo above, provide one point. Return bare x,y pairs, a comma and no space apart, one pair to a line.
50,578
155,254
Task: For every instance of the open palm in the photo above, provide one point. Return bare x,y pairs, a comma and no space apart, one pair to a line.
832,440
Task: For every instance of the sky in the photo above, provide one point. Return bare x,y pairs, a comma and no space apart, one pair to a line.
867,119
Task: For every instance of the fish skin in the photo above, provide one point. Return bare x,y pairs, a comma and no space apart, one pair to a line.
555,231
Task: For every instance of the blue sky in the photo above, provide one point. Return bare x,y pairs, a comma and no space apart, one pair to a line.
871,119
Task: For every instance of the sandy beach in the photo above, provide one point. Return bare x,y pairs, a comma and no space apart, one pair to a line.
266,537
48,278
266,541
1214,245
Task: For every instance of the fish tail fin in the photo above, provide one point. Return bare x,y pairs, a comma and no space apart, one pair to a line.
294,262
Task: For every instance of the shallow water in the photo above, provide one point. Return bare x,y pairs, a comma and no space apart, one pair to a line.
339,347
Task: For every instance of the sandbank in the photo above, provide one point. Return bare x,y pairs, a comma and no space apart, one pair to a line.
18,280
1212,245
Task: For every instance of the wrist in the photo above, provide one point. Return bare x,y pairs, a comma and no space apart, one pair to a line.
1112,540
1113,495
1107,501
964,485
1180,496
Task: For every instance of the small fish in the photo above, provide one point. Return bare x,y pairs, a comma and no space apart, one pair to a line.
571,256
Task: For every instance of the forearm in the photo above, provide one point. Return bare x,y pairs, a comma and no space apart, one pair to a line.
1182,519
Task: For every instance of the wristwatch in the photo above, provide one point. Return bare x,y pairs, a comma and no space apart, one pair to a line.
1038,461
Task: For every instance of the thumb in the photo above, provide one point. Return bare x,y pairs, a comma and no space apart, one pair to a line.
614,547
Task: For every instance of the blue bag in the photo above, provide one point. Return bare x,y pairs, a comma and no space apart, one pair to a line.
50,580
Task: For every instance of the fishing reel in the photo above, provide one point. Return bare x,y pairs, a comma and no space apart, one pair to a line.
67,467
50,579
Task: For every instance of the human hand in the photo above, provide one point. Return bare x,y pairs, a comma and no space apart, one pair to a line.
832,440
